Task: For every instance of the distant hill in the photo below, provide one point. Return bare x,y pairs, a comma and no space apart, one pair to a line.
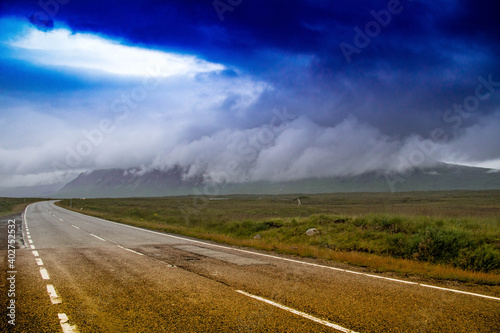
131,182
134,183
39,191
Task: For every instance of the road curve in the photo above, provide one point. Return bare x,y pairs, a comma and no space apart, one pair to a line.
75,273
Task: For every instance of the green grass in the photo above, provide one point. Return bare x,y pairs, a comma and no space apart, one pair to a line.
14,205
446,235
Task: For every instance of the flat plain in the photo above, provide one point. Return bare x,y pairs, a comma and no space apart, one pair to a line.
452,235
88,274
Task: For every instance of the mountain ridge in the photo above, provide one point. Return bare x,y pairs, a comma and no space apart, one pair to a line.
135,182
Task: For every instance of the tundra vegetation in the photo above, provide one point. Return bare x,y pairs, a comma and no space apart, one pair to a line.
15,205
443,235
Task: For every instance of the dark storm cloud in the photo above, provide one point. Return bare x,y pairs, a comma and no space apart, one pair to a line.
312,27
475,19
416,53
413,74
294,27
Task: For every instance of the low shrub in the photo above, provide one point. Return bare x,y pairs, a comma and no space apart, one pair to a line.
481,259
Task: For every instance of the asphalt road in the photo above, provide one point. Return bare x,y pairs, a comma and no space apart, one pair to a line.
74,273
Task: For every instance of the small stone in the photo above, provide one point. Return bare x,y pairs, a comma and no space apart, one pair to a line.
312,232
258,236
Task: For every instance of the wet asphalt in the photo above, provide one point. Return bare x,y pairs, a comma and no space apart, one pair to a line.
108,277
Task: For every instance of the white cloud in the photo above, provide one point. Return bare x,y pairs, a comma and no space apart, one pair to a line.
491,164
62,48
194,118
479,144
301,149
274,152
191,98
41,178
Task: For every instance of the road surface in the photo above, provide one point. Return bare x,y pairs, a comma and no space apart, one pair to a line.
75,273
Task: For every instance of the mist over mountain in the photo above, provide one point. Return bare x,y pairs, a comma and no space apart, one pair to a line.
37,191
268,91
136,182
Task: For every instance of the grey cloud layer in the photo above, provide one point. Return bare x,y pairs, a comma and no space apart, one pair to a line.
275,151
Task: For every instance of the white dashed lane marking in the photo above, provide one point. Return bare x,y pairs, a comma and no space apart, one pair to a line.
54,298
44,274
66,326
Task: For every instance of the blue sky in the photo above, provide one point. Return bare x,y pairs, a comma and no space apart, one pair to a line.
246,90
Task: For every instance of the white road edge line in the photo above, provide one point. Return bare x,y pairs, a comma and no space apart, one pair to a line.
66,327
44,274
459,291
141,254
284,259
54,298
61,220
98,237
74,226
300,313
